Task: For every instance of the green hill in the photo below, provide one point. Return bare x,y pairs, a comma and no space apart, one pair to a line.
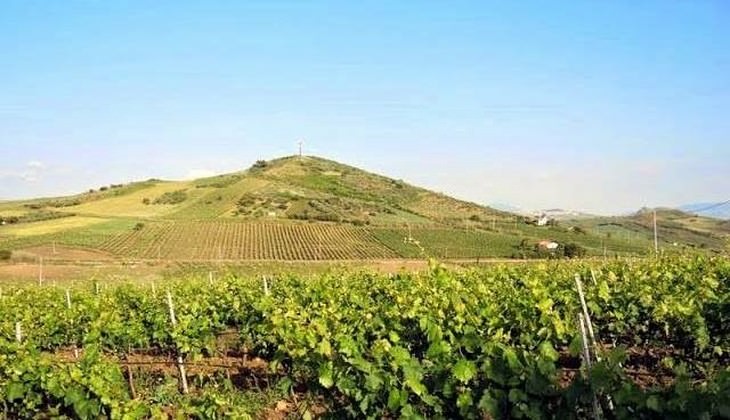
675,229
296,208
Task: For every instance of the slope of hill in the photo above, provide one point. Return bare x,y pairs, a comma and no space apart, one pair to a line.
290,208
719,210
675,229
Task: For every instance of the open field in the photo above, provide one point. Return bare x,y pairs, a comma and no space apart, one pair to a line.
247,241
49,226
498,342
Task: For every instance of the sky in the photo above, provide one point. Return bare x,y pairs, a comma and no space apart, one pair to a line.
603,107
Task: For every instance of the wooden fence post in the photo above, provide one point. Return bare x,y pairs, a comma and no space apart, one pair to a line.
40,271
584,307
588,363
68,305
266,285
180,364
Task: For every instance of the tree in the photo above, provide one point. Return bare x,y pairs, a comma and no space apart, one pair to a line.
260,164
573,250
578,229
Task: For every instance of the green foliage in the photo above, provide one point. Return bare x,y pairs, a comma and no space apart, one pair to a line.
35,216
5,254
579,230
447,243
440,344
260,164
573,250
173,197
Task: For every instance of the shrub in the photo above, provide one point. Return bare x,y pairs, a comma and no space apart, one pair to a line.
260,164
145,200
5,254
174,197
139,226
573,250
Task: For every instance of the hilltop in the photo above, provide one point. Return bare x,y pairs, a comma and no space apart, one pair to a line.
294,208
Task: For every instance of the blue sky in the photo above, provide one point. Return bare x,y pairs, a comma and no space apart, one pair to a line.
597,106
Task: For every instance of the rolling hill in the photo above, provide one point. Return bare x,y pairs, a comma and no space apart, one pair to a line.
675,229
295,208
718,210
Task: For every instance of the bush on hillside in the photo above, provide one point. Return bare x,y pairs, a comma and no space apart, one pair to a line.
579,230
174,197
573,250
260,164
5,254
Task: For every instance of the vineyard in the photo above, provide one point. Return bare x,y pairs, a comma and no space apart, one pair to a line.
641,339
247,241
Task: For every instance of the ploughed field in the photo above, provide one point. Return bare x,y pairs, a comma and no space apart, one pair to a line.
505,341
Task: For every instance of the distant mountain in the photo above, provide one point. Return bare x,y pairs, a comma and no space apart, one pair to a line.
718,210
554,213
510,208
562,214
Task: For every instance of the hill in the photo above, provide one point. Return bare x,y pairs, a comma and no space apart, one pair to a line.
289,208
675,229
719,210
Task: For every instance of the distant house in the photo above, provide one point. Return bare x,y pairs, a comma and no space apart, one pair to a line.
549,245
542,220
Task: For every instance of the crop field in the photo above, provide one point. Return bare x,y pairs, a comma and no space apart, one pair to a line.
503,342
247,241
447,243
131,204
50,226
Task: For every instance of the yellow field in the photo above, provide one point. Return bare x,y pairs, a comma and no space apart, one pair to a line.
49,226
10,213
130,205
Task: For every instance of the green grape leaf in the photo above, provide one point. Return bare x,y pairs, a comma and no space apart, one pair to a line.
464,370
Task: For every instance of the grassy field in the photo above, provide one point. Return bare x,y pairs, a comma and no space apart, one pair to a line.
50,226
131,204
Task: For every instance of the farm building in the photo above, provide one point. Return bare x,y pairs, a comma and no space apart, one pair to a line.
549,245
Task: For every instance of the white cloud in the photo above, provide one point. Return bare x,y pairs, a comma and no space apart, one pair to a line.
36,164
31,172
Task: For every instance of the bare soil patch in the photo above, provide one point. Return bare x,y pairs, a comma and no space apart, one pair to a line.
67,253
